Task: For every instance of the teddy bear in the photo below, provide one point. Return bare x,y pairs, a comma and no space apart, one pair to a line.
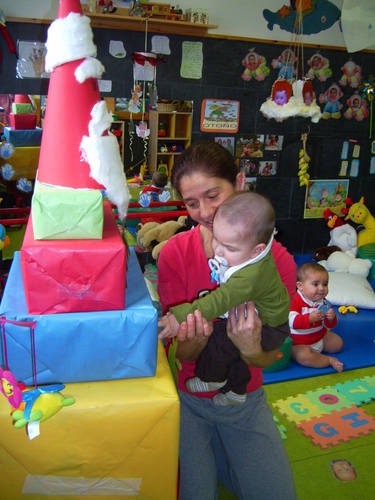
155,235
346,262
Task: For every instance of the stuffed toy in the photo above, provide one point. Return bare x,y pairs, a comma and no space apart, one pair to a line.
346,262
323,253
156,235
360,214
342,235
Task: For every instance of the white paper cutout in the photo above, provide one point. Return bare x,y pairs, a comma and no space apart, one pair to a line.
192,60
117,49
160,45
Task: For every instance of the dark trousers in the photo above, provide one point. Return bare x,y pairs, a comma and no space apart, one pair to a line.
220,360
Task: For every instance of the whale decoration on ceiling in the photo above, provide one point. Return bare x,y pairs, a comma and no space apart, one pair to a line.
317,15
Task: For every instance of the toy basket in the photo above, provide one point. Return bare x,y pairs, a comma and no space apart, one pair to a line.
167,106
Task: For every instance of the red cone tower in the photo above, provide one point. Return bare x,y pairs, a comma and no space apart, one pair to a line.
69,105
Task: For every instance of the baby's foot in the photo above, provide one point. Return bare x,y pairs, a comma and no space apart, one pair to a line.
229,398
195,384
336,364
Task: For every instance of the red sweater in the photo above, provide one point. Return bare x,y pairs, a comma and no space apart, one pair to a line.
301,330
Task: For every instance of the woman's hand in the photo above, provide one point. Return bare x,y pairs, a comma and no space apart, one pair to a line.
193,335
246,335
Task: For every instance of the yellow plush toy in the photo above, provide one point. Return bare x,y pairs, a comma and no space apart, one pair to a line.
157,235
360,214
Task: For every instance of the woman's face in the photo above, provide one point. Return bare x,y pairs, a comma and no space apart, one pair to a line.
203,195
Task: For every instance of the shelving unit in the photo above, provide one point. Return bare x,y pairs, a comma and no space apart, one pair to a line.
177,126
118,129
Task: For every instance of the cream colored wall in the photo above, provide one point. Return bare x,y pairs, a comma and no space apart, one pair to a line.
242,18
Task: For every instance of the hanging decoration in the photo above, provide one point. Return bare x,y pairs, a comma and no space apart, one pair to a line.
357,108
367,90
29,406
290,97
319,68
286,64
144,70
303,163
352,74
331,98
256,67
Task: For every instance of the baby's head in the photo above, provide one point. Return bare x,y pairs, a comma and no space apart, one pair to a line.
159,179
312,281
243,225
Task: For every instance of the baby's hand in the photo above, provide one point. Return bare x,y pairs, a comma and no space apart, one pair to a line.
169,326
330,314
315,316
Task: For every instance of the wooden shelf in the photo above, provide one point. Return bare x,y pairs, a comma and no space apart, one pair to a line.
132,23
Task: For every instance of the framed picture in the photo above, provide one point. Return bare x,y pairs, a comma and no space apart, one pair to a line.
227,143
251,184
323,194
250,146
267,168
31,60
273,142
220,116
249,166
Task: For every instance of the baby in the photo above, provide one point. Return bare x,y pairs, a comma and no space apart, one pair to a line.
311,319
244,266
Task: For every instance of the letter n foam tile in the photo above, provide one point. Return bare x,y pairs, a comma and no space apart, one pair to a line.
329,399
357,391
297,408
330,430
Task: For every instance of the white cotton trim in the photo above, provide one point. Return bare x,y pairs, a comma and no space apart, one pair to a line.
89,68
102,154
101,119
69,39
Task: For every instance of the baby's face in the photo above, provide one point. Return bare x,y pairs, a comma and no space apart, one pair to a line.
315,286
280,97
228,243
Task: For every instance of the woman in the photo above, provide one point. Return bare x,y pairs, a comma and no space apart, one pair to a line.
239,445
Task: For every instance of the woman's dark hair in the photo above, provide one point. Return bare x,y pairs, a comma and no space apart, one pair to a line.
206,157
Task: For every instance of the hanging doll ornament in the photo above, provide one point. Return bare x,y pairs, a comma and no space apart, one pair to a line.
319,68
256,67
357,108
277,106
331,98
286,65
351,75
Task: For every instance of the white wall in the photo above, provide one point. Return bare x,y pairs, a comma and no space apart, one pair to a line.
242,18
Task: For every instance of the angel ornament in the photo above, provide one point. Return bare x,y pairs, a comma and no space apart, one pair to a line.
331,98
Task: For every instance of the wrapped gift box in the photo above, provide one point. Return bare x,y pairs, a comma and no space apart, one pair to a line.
24,162
22,121
62,213
79,347
63,276
22,108
22,138
119,439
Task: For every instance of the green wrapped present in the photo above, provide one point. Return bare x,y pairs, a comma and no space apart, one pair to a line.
21,109
66,214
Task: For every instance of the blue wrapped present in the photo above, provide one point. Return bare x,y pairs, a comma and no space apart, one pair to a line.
21,138
81,347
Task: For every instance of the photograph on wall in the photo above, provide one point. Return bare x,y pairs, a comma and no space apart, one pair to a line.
251,184
250,146
227,143
273,142
267,168
323,194
249,166
220,116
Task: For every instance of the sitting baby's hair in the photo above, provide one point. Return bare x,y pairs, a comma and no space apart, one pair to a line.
309,267
159,179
